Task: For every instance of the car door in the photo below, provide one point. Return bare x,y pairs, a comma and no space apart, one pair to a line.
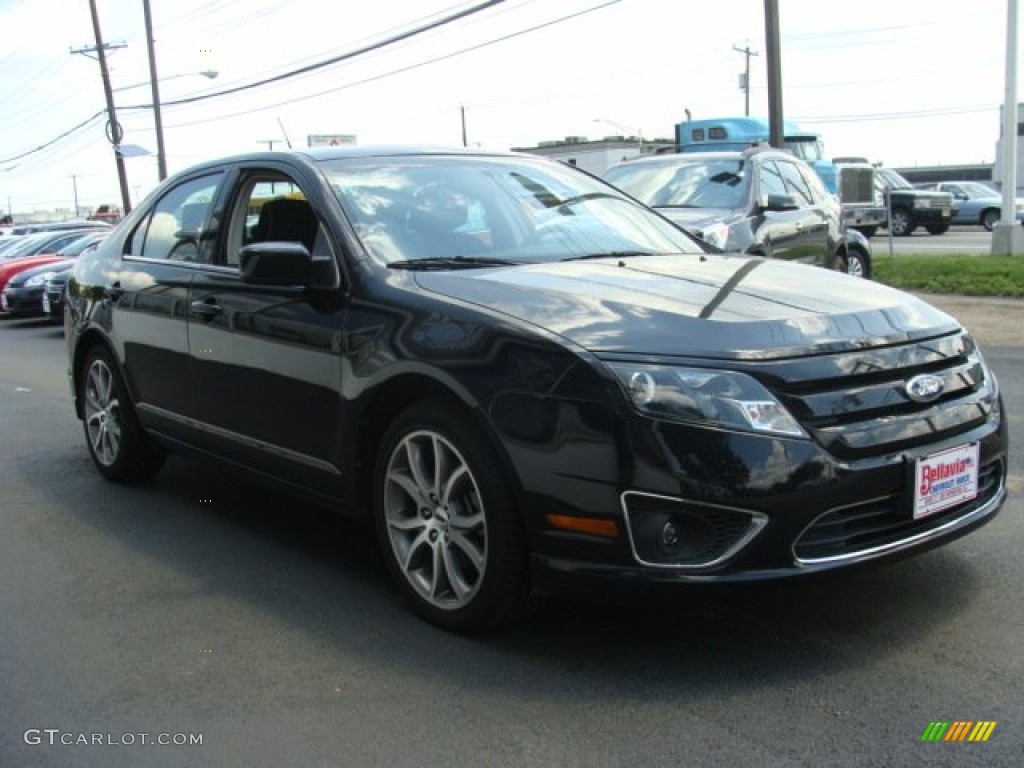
776,233
811,244
158,259
265,359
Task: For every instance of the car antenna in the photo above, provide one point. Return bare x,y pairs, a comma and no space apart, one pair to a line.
284,133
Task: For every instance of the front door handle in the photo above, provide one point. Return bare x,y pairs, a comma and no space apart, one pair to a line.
207,309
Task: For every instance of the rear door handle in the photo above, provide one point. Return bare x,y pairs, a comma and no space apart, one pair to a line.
208,308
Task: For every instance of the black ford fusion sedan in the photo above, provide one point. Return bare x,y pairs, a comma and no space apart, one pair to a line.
528,381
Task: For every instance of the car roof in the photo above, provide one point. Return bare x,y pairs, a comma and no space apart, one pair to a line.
680,158
311,155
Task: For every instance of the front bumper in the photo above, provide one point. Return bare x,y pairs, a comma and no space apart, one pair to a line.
22,301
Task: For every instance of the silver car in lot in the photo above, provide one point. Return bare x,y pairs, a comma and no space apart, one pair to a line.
976,202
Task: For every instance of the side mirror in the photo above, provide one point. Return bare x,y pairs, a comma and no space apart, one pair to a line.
276,263
779,203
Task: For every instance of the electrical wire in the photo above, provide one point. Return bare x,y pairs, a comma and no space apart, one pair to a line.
334,59
479,7
391,73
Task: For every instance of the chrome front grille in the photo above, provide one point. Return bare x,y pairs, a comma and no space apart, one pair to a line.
856,404
885,522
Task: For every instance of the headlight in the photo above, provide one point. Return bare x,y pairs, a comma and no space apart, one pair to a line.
699,395
38,279
922,203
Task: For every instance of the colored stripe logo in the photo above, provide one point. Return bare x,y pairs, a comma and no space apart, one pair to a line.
958,730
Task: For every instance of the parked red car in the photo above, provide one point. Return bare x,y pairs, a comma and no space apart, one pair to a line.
36,250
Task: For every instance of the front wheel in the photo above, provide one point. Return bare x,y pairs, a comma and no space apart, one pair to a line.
902,224
989,219
856,263
119,447
447,520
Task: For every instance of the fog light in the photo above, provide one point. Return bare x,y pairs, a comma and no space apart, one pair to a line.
670,534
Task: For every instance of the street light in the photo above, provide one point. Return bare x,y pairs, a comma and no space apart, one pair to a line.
208,73
161,156
626,131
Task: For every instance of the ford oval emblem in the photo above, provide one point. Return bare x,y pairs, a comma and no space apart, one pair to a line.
925,388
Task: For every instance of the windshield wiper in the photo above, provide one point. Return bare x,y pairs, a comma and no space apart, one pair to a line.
452,262
608,255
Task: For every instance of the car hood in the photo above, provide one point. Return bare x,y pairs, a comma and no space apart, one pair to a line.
14,266
725,307
47,266
697,218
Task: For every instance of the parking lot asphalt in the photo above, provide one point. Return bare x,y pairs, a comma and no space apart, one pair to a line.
993,321
199,605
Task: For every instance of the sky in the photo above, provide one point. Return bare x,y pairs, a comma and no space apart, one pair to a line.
914,82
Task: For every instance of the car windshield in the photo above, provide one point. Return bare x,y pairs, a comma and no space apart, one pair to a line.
696,183
482,210
26,246
892,179
974,189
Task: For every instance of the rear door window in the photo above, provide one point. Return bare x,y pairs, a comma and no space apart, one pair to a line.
176,227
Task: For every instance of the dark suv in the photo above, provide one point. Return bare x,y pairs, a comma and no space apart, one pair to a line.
912,207
525,379
759,201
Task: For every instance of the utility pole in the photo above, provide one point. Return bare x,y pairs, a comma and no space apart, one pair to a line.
773,58
268,142
462,113
74,184
745,77
161,155
114,131
1007,237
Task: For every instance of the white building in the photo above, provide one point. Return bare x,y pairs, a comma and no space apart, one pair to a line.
598,155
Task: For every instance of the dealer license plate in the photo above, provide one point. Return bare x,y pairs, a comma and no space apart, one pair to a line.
46,304
945,479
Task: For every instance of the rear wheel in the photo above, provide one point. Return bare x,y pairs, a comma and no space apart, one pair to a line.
117,443
447,520
901,223
989,219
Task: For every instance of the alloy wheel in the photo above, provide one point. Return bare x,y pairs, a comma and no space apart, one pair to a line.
102,413
435,520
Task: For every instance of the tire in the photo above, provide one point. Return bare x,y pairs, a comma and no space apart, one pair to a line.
856,263
119,447
989,218
902,224
446,517
937,229
868,232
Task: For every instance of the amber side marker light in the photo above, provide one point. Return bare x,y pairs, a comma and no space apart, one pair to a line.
592,525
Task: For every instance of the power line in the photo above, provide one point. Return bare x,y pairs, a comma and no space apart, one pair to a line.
393,72
969,110
335,59
277,78
66,133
